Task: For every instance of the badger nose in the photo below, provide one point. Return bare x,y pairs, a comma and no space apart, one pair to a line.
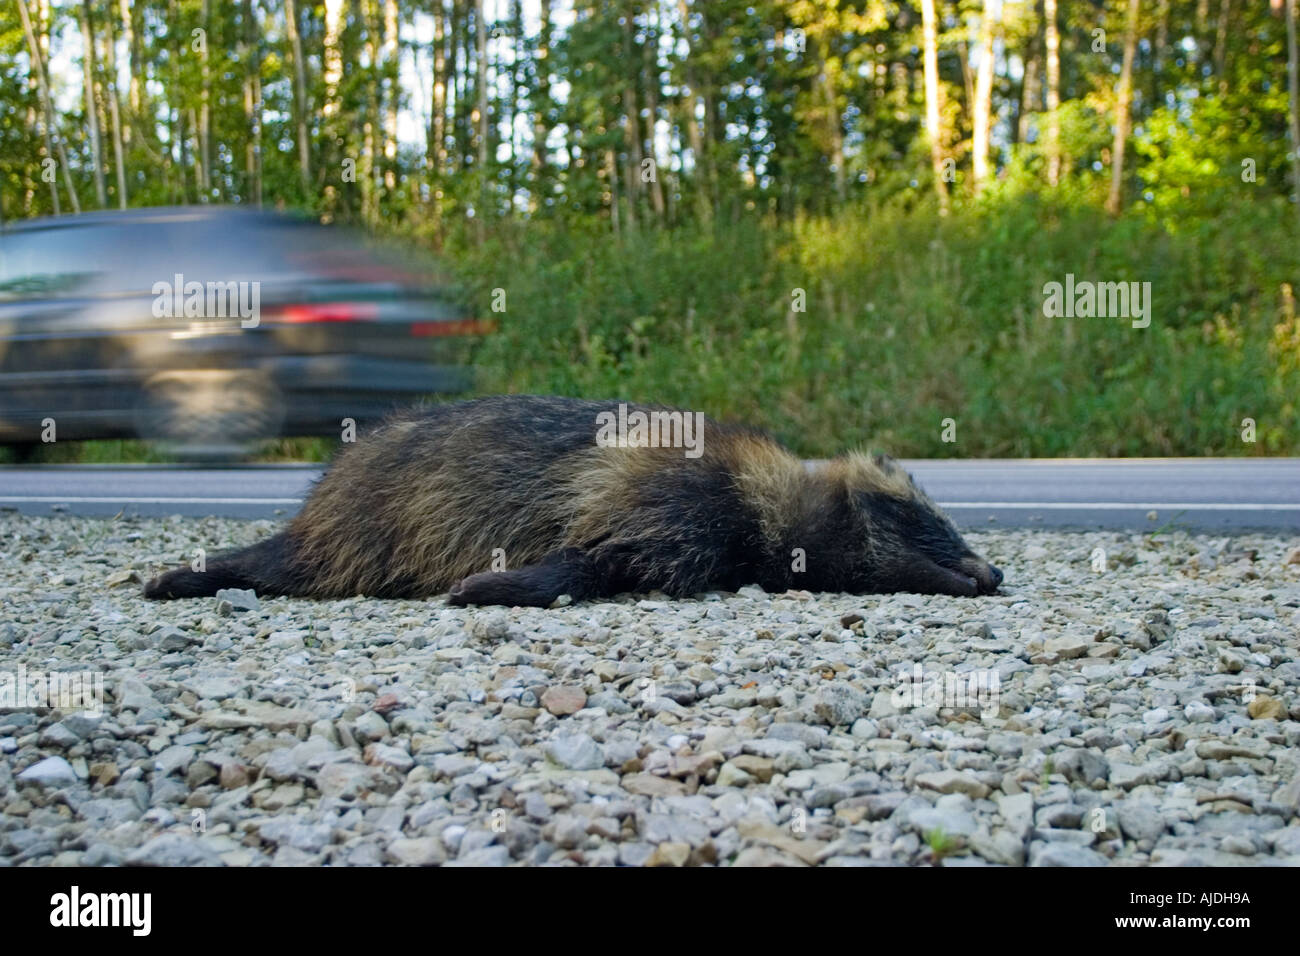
996,574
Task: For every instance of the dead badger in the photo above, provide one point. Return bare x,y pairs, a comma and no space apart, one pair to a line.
517,500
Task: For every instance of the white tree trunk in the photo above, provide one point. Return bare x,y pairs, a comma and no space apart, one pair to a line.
392,53
1293,89
92,107
981,118
933,107
1053,38
1122,110
299,94
53,142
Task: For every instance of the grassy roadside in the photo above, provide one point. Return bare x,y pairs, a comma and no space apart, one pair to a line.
131,452
911,320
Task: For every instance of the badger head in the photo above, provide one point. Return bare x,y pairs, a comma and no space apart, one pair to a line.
906,542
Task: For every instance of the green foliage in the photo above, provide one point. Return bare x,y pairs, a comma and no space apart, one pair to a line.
912,318
1206,156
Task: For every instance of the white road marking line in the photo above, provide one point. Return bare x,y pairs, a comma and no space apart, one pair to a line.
70,500
1125,505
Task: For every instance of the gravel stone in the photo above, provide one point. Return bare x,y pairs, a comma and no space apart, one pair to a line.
50,772
576,752
1137,716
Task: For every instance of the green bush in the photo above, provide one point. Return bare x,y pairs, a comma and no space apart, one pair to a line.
910,319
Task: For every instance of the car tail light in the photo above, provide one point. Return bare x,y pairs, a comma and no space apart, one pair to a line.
329,312
454,327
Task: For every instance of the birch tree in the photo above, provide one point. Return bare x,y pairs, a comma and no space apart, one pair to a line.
1052,38
1123,102
91,101
933,105
982,108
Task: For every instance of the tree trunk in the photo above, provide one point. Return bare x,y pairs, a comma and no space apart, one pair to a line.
331,108
1221,45
436,150
652,109
177,132
611,172
834,123
458,86
708,97
114,112
1158,49
968,81
252,106
33,119
481,67
631,124
1122,109
204,125
392,78
1201,27
200,188
131,32
299,95
92,109
1053,43
694,134
1293,91
541,105
1030,92
332,58
369,173
982,108
53,141
462,114
933,105
518,84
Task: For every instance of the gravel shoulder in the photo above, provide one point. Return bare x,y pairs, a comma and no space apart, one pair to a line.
1127,700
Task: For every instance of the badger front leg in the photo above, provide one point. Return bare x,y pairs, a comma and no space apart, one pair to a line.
571,571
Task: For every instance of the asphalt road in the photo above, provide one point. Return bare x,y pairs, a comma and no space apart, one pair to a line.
1211,494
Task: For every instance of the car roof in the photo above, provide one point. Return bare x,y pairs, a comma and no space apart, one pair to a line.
154,214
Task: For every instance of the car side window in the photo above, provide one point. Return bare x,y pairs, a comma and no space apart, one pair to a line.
43,263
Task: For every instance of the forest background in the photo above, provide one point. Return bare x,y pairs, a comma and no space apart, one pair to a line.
833,218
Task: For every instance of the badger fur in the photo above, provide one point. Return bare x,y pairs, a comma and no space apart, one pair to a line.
512,500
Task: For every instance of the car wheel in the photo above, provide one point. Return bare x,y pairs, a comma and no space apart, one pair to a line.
209,413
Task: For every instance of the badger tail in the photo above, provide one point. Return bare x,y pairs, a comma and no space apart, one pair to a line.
265,568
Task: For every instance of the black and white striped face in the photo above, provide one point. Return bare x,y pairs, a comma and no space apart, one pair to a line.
913,546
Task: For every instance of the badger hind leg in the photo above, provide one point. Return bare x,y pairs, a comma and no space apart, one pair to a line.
570,571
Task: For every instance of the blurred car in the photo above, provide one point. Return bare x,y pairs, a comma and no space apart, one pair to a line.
212,327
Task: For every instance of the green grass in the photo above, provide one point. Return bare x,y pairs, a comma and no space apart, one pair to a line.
941,844
297,449
911,319
107,452
130,452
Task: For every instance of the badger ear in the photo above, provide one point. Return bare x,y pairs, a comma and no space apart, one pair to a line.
895,473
